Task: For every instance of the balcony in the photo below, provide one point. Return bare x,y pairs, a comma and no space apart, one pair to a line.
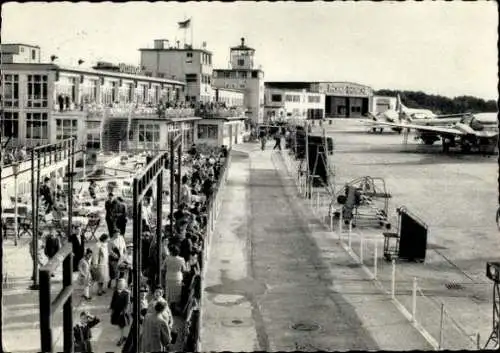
163,113
218,113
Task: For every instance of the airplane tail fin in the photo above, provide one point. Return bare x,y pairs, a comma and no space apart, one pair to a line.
399,105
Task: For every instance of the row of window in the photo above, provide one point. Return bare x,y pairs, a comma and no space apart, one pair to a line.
37,89
190,78
37,126
294,98
236,74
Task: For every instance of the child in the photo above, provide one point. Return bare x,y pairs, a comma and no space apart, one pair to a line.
82,332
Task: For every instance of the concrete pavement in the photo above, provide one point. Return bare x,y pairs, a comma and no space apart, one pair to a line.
278,280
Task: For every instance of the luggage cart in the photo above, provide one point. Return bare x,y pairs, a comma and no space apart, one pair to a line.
365,202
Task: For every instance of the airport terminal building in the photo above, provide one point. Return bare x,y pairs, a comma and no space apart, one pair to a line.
342,99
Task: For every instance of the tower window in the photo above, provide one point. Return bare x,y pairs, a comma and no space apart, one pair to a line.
241,62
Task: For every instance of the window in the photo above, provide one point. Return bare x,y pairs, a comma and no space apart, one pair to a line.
191,77
241,62
313,99
189,54
10,125
33,54
66,128
255,74
93,141
243,74
292,98
11,90
276,98
37,91
139,93
37,126
207,131
149,136
114,86
227,74
314,113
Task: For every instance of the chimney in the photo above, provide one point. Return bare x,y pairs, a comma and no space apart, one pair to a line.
178,44
242,42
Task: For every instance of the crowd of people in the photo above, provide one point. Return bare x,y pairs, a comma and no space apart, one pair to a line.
12,155
108,266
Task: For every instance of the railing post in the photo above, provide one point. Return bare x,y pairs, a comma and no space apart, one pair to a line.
331,218
441,328
375,259
478,341
341,223
393,279
349,230
414,300
361,241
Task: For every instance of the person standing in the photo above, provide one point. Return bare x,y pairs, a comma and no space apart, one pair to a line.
52,244
156,334
110,213
176,266
82,332
46,193
116,252
262,138
120,309
277,139
101,263
121,215
78,243
84,274
92,188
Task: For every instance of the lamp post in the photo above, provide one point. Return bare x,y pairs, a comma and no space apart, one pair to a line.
84,160
15,169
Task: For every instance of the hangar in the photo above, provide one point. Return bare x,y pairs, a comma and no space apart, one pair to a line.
342,99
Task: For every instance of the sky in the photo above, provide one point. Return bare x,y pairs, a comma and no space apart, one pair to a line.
446,48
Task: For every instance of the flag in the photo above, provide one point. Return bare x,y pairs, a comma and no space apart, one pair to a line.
184,24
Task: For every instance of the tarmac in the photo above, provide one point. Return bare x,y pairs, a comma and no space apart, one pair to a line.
278,279
456,195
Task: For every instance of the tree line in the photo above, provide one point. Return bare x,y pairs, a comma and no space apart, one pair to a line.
440,104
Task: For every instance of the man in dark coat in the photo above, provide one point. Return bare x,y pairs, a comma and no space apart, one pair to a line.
121,215
110,214
46,192
78,243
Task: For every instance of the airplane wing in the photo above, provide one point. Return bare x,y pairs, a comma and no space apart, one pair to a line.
436,129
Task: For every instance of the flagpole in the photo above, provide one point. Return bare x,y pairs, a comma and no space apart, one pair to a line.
191,27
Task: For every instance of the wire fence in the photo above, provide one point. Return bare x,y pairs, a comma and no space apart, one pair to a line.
428,314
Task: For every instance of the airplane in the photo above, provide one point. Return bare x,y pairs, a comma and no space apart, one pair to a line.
402,113
473,131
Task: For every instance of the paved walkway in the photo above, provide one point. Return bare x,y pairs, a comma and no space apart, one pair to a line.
278,280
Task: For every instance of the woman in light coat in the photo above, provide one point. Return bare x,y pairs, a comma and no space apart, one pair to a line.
101,264
117,249
176,266
84,274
